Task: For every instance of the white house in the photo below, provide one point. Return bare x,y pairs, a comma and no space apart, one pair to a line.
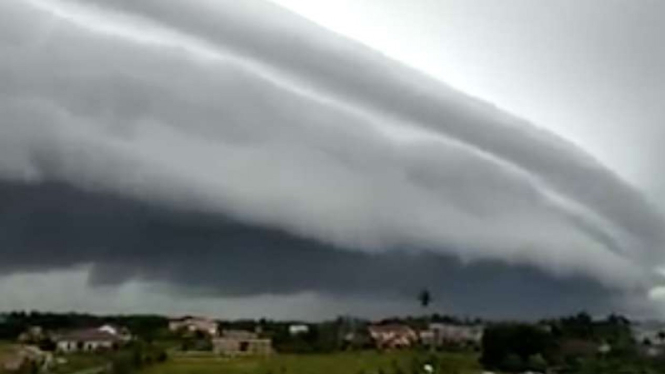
447,333
89,340
298,330
193,324
651,331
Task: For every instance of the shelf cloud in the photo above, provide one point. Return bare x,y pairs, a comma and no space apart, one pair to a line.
197,142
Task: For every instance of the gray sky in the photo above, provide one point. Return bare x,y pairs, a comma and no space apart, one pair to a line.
590,71
229,157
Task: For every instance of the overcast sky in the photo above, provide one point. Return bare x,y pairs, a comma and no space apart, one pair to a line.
235,159
590,71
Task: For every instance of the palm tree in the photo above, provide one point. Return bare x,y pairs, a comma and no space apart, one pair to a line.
425,298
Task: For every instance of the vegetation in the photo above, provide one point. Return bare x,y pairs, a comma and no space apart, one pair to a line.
79,362
515,347
576,344
137,356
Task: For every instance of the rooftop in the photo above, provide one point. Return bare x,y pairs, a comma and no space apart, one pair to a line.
88,335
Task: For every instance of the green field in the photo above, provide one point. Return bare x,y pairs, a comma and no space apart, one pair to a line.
80,362
6,349
340,363
6,346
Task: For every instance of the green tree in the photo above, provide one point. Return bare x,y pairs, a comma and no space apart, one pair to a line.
537,363
162,356
512,363
501,341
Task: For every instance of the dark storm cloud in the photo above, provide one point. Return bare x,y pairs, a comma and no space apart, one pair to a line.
240,140
128,240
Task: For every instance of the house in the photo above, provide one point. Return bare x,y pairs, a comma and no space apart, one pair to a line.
427,337
651,351
88,340
604,348
31,335
357,340
194,324
121,332
241,343
651,332
295,330
393,336
445,334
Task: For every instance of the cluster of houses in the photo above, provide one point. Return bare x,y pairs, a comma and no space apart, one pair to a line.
225,342
400,336
382,336
234,343
102,338
194,324
651,338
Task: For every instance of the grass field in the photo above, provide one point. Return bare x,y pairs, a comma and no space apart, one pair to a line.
6,346
6,349
80,362
341,363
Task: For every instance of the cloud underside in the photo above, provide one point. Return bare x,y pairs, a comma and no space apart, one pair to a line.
123,240
237,149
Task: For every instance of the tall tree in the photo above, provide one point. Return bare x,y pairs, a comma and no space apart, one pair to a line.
425,298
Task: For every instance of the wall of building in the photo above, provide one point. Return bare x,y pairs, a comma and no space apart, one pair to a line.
242,347
83,346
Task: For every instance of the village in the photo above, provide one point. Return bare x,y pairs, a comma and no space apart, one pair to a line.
196,336
99,347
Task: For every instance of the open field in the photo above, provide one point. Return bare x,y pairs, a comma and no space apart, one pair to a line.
6,349
340,363
6,346
80,363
